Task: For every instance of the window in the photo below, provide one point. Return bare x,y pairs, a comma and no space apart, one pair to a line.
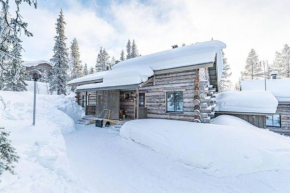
273,121
174,101
142,100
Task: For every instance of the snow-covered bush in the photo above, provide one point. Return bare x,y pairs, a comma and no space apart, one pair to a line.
7,153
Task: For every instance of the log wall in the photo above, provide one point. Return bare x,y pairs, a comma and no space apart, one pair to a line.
156,95
284,111
127,105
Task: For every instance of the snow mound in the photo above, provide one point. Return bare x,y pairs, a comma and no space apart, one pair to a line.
229,147
246,101
280,88
41,87
43,165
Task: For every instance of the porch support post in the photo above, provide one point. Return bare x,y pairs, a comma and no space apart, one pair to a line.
137,101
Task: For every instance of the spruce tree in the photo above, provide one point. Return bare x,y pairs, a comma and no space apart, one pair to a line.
86,71
76,66
253,68
92,70
122,57
112,63
226,83
14,73
282,63
8,154
135,52
60,59
103,63
129,49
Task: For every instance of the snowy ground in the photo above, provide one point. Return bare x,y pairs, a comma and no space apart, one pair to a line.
109,163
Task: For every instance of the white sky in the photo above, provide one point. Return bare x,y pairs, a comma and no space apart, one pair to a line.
158,24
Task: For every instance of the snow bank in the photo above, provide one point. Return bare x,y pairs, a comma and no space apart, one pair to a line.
246,102
138,70
41,87
44,165
35,63
280,88
230,149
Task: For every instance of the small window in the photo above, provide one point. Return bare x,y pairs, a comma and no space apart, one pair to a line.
142,100
273,121
174,102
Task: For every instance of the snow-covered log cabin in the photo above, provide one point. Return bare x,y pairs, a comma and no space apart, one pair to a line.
177,84
41,65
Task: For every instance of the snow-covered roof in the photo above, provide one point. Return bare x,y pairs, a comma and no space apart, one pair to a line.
138,70
246,102
90,77
280,88
35,63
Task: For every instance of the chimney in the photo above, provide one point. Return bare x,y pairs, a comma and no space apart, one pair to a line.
274,74
174,46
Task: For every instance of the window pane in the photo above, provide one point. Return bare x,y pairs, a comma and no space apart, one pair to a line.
170,101
178,98
276,120
273,121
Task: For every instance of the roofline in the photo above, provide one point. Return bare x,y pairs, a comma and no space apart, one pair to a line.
131,87
87,82
181,68
242,113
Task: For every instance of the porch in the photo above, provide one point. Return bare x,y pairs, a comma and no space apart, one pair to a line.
120,104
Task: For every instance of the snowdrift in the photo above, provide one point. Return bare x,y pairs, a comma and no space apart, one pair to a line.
227,147
246,102
44,165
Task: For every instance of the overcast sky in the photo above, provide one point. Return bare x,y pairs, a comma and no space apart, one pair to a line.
157,24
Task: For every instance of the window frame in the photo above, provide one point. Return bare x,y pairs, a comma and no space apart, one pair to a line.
280,121
166,99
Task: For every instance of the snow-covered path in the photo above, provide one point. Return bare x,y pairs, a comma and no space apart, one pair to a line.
108,163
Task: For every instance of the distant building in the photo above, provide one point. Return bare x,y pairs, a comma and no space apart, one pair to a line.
41,65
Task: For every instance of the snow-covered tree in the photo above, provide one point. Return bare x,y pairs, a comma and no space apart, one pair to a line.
76,67
226,83
10,25
129,49
122,57
14,73
282,63
8,154
112,63
135,52
103,63
59,75
86,71
253,68
92,70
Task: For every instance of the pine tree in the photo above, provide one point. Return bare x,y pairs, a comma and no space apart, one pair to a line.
103,63
86,71
135,52
8,154
253,68
122,57
76,66
112,63
129,49
282,63
60,59
226,83
92,70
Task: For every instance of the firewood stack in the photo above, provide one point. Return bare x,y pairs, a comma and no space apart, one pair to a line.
204,100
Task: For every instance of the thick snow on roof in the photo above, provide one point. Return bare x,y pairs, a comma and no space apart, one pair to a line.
280,88
246,102
138,70
90,77
35,63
